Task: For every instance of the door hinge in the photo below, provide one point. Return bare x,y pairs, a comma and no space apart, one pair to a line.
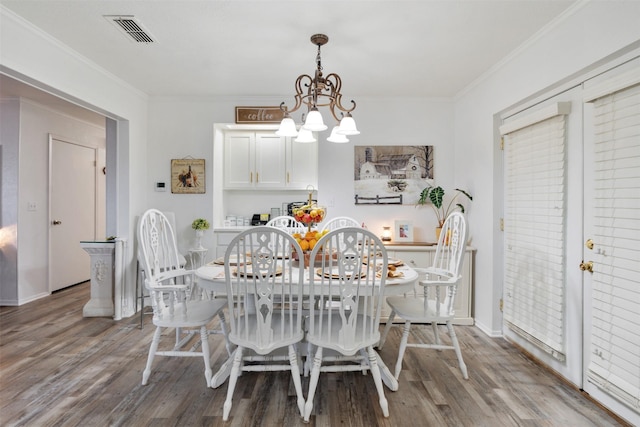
501,224
502,143
501,304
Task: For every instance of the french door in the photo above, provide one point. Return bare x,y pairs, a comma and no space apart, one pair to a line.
611,244
572,269
543,290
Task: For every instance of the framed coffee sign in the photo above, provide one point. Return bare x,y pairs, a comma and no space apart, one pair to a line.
246,115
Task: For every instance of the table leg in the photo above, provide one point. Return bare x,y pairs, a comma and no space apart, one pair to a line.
223,373
387,377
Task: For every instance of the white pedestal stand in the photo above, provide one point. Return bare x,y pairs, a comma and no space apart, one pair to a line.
102,264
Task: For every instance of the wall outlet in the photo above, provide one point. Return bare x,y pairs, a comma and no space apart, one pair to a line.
32,206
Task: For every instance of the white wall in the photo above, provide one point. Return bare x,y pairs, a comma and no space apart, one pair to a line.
32,56
36,122
181,127
586,34
9,137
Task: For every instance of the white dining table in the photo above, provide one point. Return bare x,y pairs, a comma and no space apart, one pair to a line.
211,278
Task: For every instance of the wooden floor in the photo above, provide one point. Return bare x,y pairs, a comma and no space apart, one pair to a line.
60,369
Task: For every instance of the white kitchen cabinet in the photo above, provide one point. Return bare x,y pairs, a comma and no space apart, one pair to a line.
263,160
254,160
302,165
416,255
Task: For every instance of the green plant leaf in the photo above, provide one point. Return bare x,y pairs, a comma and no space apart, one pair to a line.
424,195
436,195
465,193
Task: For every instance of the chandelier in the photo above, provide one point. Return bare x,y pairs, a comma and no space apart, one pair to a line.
319,91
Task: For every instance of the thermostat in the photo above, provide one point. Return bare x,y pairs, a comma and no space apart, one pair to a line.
160,186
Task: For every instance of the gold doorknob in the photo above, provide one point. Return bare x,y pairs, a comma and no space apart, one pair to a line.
589,244
587,266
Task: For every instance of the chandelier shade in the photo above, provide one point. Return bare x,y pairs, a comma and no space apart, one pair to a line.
287,127
305,136
320,91
336,137
348,126
314,121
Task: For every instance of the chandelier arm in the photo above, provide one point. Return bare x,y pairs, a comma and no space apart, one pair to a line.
300,97
335,83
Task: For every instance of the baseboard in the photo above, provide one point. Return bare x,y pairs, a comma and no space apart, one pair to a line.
14,302
488,331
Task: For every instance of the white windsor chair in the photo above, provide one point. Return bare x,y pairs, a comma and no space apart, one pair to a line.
287,223
436,304
345,319
340,222
169,283
265,311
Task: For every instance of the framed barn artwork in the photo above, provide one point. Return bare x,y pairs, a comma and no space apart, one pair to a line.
391,174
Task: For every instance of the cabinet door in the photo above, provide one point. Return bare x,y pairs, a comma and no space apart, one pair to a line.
464,294
270,157
239,160
302,165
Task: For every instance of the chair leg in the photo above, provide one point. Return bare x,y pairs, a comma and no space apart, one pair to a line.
225,332
403,347
204,338
152,352
387,328
377,379
436,333
308,361
233,378
456,347
313,383
295,373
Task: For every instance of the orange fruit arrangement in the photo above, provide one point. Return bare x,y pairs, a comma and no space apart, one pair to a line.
308,241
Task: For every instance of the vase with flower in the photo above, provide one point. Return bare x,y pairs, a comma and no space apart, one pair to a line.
199,225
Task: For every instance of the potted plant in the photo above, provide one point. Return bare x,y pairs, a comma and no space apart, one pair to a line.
200,225
435,195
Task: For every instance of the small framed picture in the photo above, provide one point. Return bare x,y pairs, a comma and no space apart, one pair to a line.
403,231
187,176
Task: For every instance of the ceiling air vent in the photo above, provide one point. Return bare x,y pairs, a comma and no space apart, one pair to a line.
130,26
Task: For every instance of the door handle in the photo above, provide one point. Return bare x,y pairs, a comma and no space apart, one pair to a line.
586,266
589,244
56,222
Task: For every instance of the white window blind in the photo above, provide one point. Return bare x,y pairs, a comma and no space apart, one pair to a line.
534,228
615,334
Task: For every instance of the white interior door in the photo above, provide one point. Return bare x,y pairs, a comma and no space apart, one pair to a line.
72,212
